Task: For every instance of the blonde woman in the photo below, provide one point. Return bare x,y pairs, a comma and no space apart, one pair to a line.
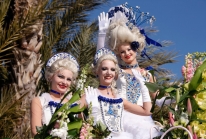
61,72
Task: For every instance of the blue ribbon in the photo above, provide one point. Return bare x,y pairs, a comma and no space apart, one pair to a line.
149,68
148,40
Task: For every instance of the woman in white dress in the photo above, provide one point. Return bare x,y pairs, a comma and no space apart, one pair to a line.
108,107
61,72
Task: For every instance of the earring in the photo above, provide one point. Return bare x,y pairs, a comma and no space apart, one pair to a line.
97,76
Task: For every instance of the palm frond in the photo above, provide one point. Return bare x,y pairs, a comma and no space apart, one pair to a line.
10,112
62,27
83,45
3,12
158,57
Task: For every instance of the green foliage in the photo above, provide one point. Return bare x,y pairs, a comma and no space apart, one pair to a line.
100,131
196,79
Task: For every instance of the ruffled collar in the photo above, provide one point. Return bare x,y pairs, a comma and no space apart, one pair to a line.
110,100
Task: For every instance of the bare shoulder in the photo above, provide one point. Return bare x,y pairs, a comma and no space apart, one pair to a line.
35,100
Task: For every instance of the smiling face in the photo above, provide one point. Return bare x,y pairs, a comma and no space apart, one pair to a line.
61,81
106,72
127,54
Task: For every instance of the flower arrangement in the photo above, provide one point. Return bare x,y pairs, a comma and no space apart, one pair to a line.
91,130
189,109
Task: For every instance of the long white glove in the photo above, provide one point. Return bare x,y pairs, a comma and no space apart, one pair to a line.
144,89
103,26
103,22
159,102
91,96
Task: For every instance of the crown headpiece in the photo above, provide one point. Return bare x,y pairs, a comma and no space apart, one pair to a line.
61,56
133,14
101,52
134,18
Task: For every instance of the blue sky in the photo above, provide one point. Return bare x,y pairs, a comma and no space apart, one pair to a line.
181,21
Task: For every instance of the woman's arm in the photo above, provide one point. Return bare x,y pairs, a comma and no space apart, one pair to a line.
103,26
36,114
136,109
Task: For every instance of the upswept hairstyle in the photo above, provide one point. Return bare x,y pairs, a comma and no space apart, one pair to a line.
60,64
118,33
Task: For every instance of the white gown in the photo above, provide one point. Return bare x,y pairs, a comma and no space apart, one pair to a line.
129,124
111,114
144,127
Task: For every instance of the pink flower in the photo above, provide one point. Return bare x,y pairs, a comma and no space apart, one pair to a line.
190,129
82,137
195,136
171,119
84,132
188,69
183,70
189,107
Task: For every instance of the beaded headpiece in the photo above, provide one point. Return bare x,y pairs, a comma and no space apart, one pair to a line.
101,52
61,56
133,18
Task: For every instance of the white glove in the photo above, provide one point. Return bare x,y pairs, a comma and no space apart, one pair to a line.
144,89
103,22
103,26
91,96
159,102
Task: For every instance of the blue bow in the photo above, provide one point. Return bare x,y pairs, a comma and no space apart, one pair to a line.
149,68
148,40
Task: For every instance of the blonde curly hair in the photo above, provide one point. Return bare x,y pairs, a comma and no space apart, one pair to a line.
60,64
119,32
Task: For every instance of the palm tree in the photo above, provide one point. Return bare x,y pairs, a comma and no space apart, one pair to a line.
31,31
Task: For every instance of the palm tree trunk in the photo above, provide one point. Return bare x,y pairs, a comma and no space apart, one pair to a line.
28,65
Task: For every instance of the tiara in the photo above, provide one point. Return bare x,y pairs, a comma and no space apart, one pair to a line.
61,56
134,18
101,52
133,14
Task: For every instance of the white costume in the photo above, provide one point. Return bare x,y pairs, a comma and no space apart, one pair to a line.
122,124
129,88
47,110
49,106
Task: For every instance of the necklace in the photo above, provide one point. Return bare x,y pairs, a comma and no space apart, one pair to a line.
129,66
102,86
55,92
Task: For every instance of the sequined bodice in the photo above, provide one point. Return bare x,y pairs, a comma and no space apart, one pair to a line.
109,112
129,88
132,87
